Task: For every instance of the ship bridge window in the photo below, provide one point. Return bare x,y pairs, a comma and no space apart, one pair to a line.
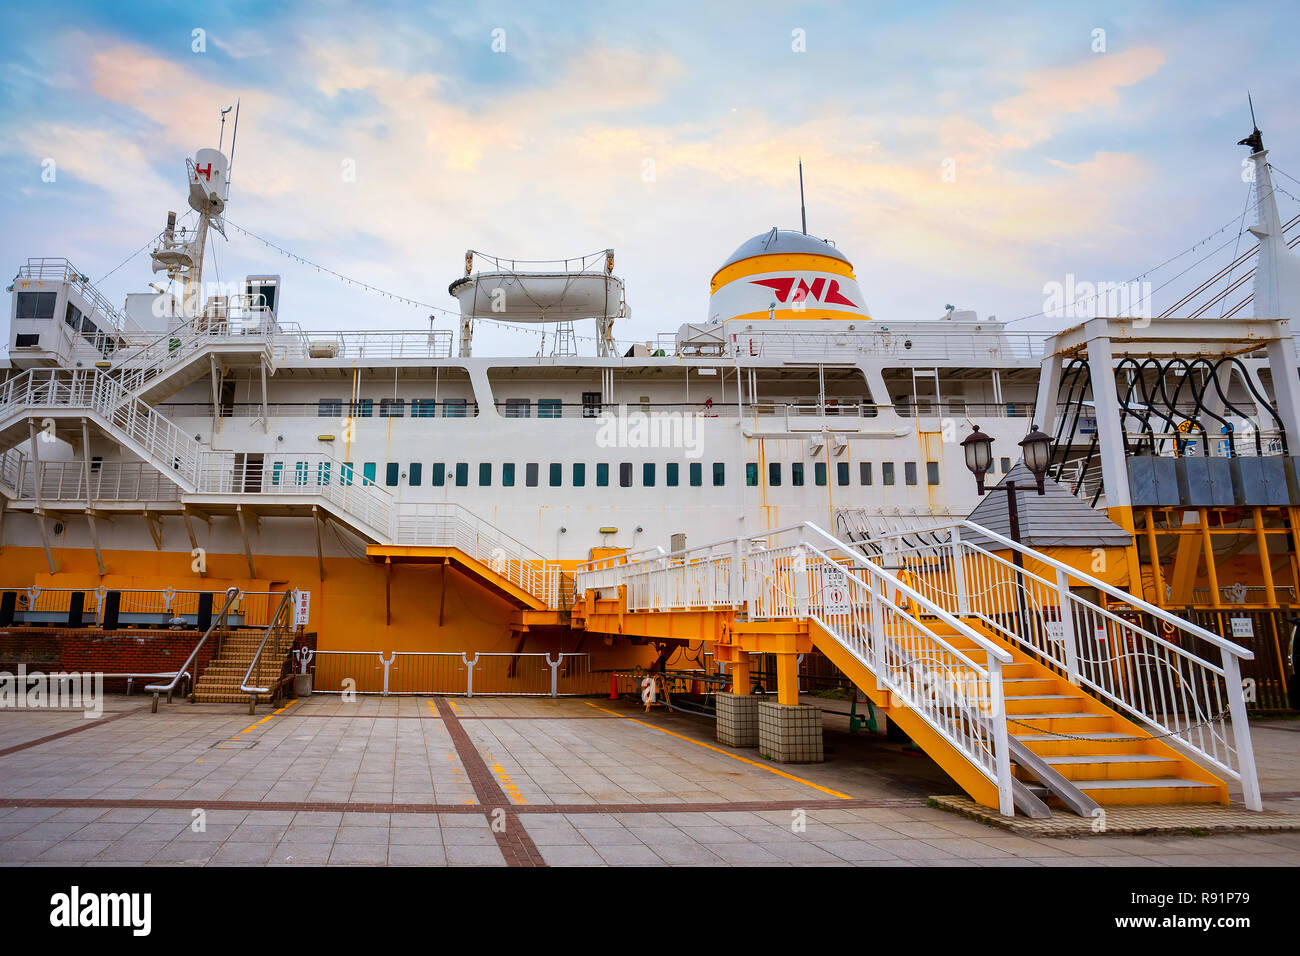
390,474
774,474
751,474
462,474
796,473
697,474
330,408
886,472
550,408
363,408
602,474
72,316
423,408
36,305
485,475
508,474
530,474
671,474
841,472
719,473
932,472
909,472
819,472
556,474
455,408
625,475
579,474
864,472
392,407
518,408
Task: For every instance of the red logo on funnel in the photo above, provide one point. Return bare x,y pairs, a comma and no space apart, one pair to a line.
821,290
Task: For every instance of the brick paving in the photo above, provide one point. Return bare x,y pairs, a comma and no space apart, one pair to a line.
410,781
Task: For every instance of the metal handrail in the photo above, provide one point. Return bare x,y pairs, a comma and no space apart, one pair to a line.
233,594
277,628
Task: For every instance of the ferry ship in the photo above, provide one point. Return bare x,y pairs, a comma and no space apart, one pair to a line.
419,499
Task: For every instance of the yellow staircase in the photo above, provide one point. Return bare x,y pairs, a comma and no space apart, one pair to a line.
1107,756
221,679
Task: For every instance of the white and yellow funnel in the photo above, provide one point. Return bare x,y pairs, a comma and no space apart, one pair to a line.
786,275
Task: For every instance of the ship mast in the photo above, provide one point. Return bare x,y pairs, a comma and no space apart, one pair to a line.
1277,273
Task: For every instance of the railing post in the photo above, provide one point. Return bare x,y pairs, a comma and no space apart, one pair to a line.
1241,731
392,656
737,577
555,673
959,573
877,631
800,571
469,673
1001,746
1068,635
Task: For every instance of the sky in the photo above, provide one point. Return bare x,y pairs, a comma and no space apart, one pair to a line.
963,154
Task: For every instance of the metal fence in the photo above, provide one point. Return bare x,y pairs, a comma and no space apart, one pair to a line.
455,673
167,608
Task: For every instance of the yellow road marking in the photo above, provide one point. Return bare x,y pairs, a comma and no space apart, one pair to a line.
700,743
433,707
508,785
265,719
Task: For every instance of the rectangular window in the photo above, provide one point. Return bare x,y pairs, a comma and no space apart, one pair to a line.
36,305
841,472
1006,465
751,474
485,474
416,474
886,472
719,474
864,472
323,473
300,474
819,473
672,472
625,475
796,473
518,408
437,474
508,475
932,472
330,408
602,474
276,471
345,474
462,474
648,474
363,408
368,473
697,474
579,474
549,408
774,474
454,408
909,472
557,474
423,408
72,316
392,407
530,474
390,474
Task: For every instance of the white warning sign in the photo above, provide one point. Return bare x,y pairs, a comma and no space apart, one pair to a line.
835,589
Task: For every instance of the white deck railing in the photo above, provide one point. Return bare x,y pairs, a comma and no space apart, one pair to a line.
1183,683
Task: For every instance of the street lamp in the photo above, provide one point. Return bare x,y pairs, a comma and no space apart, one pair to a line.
979,455
1037,450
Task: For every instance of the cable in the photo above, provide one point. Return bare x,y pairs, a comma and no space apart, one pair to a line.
130,257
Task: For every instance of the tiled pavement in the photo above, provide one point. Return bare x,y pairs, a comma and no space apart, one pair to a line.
395,781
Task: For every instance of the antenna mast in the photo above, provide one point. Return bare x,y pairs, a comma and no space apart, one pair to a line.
803,213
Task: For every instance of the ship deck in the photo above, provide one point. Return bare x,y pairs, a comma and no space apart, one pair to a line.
419,780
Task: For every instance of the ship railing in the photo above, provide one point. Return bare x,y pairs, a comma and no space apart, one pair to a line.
457,673
993,348
275,647
1230,596
803,573
1264,443
61,270
294,343
1178,679
66,480
157,608
327,410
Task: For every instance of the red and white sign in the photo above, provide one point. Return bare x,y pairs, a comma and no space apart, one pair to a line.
301,608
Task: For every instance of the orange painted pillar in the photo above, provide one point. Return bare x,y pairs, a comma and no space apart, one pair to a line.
787,679
740,673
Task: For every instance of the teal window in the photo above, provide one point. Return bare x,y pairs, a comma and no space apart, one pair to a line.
579,474
719,474
697,474
648,474
454,408
345,474
671,471
300,474
508,475
276,471
323,473
390,474
774,474
602,474
437,474
549,408
819,472
416,475
796,473
423,408
556,474
485,474
363,408
368,473
751,474
462,474
841,472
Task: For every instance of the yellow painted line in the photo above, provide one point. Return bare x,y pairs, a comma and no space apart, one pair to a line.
265,719
508,785
433,708
725,753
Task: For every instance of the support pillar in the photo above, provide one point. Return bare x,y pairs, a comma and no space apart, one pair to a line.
790,734
740,676
737,720
787,679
